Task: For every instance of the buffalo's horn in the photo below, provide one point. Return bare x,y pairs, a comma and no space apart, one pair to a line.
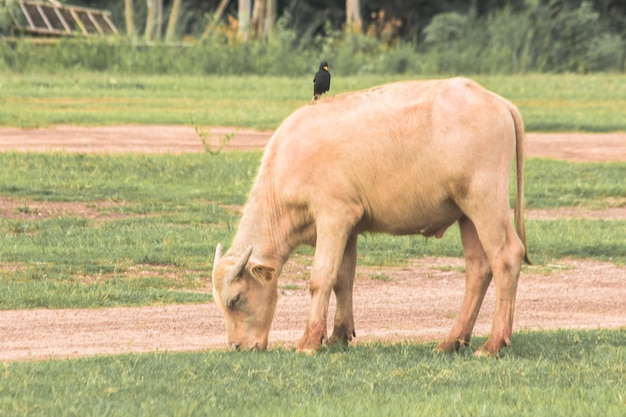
239,266
218,255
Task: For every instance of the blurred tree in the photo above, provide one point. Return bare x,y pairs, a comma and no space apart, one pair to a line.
257,27
263,18
353,15
243,18
172,21
129,15
154,20
271,17
215,18
316,19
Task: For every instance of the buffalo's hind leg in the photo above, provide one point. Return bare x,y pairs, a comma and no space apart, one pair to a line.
505,254
493,232
343,330
477,278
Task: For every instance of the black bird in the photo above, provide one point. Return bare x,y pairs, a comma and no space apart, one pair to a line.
321,81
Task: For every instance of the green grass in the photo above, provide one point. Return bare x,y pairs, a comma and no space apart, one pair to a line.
549,183
53,293
163,211
151,181
84,266
171,208
561,373
547,240
169,211
163,215
563,102
146,179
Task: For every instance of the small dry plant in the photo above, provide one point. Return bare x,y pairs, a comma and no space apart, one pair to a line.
205,137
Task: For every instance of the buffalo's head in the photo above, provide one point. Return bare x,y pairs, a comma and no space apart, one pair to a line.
247,293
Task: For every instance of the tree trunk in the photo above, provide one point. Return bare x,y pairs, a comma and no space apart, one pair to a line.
158,17
270,18
243,19
149,20
173,20
154,20
353,15
128,12
216,17
258,19
263,18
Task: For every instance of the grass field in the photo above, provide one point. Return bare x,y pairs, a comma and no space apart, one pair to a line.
164,213
167,212
563,102
563,373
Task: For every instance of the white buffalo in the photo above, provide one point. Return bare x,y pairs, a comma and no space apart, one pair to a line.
404,158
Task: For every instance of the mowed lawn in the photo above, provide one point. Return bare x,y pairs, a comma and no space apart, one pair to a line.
552,374
166,213
563,102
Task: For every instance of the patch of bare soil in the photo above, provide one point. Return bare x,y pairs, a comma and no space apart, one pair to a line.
20,209
41,210
417,302
128,139
610,213
578,147
177,139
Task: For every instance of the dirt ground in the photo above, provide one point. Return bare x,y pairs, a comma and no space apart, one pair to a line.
176,139
416,302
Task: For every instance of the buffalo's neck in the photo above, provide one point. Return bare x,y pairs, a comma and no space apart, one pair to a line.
265,228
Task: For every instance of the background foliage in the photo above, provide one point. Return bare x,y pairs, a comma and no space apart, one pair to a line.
422,37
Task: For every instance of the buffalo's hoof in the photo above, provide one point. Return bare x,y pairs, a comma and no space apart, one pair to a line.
492,349
341,335
452,345
310,345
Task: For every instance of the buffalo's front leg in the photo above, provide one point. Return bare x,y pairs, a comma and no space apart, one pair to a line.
343,330
320,287
332,237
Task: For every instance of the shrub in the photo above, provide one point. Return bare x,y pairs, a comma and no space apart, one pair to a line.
539,38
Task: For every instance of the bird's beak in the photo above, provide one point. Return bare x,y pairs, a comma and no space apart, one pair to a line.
325,68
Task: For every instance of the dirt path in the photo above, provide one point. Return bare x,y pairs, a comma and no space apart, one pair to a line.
417,302
177,139
414,303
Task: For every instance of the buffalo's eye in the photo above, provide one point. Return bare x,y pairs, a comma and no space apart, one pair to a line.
232,303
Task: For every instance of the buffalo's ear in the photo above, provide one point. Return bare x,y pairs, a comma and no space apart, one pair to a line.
260,272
